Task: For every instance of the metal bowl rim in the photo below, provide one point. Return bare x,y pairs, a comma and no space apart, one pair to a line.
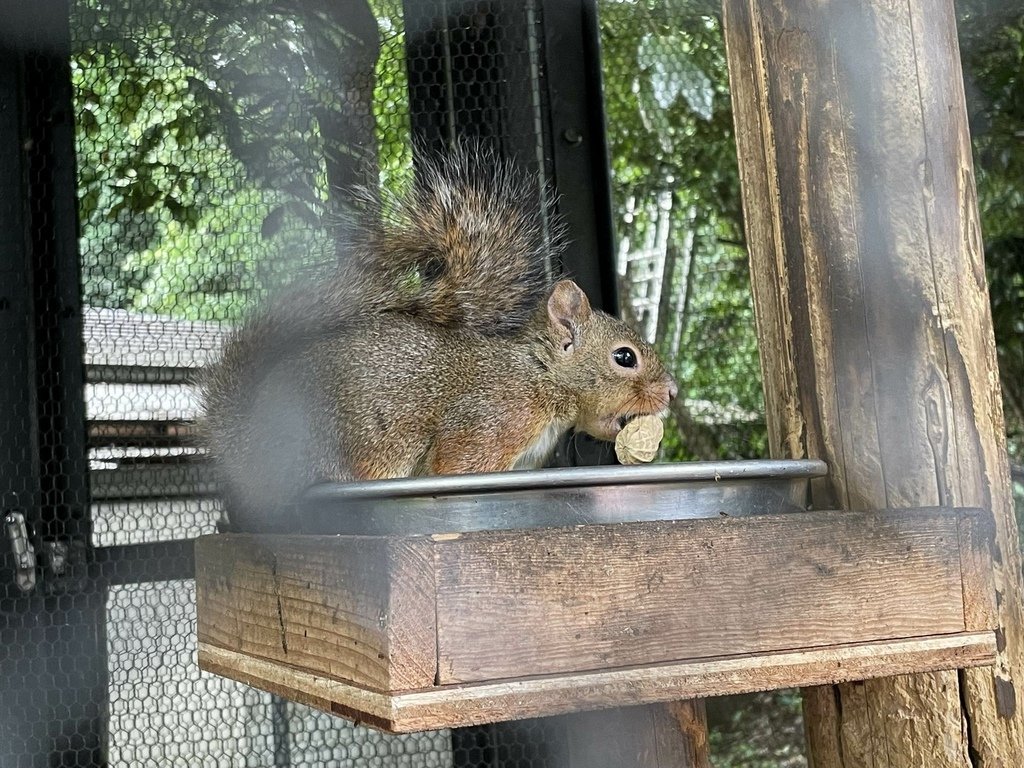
569,477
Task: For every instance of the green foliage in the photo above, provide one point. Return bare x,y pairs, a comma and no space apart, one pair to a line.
670,128
199,152
203,143
202,167
212,141
390,98
992,49
760,730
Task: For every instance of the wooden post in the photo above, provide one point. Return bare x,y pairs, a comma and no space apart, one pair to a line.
653,736
874,324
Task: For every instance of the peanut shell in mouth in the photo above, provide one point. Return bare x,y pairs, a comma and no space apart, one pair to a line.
638,441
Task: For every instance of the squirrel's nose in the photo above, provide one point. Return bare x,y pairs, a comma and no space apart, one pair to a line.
673,390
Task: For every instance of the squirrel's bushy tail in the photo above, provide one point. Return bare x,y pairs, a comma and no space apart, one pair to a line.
465,245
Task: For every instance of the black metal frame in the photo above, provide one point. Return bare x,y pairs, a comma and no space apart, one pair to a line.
42,409
580,146
564,88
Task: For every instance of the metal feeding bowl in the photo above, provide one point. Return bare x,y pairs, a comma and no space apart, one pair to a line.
558,497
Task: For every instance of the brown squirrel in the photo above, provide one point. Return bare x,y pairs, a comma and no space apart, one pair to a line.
439,347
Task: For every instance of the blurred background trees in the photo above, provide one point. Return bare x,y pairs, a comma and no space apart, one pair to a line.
209,150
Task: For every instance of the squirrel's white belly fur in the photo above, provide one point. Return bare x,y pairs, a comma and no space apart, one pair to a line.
539,450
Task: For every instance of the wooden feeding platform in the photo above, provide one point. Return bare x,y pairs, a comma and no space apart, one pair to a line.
741,590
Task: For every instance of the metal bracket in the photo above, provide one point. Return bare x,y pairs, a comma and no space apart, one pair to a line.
21,548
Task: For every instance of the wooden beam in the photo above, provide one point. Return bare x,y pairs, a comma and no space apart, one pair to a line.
601,596
462,705
419,631
353,608
874,324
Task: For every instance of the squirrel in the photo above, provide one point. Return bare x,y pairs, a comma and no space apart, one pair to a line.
439,346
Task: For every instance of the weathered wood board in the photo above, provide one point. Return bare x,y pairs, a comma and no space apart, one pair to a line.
424,632
875,326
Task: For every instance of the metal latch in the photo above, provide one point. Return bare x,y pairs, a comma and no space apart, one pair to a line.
21,548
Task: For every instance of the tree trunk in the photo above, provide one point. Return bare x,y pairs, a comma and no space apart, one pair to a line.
874,324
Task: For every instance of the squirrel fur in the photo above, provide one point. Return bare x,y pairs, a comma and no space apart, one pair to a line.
439,346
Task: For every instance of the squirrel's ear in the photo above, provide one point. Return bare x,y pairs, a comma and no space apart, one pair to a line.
568,308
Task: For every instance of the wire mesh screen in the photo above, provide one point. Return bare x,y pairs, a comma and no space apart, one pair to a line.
167,164
211,139
207,146
681,255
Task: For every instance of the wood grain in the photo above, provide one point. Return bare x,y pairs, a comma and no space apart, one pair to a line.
603,596
462,705
592,616
874,325
977,542
353,608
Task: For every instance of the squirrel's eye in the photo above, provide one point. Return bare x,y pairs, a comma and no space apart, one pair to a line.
625,357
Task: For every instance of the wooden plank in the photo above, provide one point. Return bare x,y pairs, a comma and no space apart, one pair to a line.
688,717
977,539
353,608
601,596
593,616
638,737
670,735
462,705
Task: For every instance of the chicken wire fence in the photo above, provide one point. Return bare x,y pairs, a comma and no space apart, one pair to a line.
166,165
